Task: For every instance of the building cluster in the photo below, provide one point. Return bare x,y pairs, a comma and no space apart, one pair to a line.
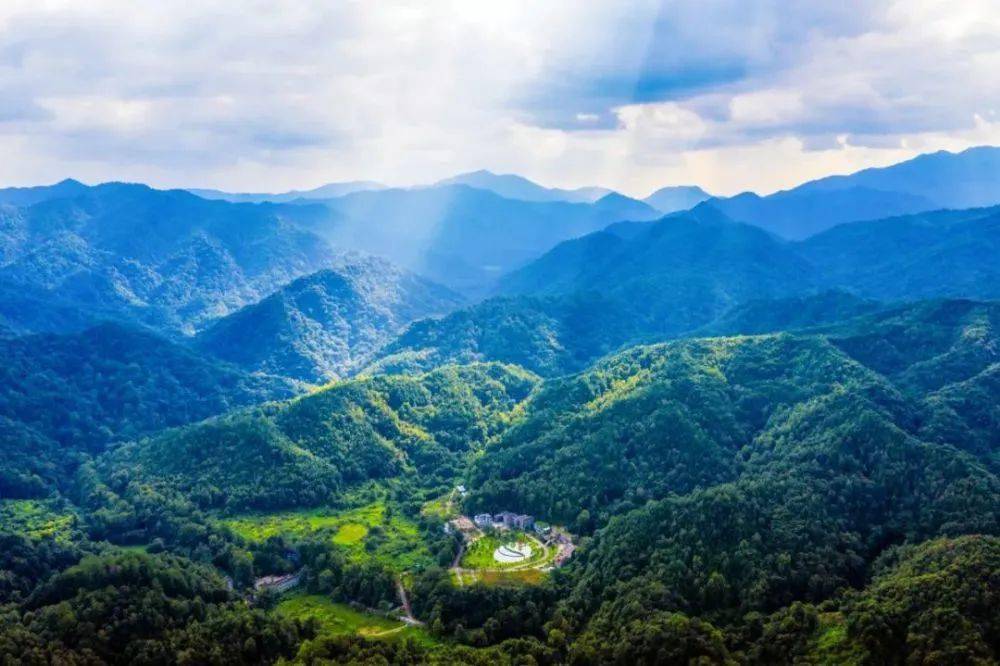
505,520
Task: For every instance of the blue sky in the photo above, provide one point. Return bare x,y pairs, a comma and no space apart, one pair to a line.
729,95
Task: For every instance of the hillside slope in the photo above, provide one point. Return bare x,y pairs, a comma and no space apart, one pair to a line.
322,325
929,255
309,451
61,395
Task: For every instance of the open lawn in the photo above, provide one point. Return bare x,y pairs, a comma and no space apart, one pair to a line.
480,553
370,531
335,619
36,518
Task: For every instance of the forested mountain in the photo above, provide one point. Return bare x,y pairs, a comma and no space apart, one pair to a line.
939,254
763,451
192,615
778,469
677,412
685,269
322,325
76,392
789,314
462,237
940,180
548,335
26,196
689,268
312,449
165,258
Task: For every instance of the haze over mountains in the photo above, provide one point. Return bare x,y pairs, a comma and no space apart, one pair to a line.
927,182
768,425
72,255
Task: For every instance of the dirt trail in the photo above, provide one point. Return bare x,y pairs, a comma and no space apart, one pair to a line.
408,614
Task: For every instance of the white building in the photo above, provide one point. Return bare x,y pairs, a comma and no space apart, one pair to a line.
483,520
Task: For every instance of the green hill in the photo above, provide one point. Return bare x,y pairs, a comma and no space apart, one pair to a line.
658,420
308,451
549,335
677,273
321,326
62,395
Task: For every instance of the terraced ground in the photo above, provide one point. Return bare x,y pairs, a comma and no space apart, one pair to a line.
370,531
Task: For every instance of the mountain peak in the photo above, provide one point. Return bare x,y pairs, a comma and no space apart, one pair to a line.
676,197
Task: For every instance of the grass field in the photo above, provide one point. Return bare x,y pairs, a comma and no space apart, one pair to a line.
370,531
36,518
336,619
517,578
350,533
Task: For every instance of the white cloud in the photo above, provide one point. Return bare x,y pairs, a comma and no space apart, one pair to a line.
728,94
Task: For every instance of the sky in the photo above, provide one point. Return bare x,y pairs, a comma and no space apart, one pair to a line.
731,95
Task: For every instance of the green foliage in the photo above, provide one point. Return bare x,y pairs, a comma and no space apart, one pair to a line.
549,336
36,519
932,603
65,394
165,259
652,421
309,451
675,274
321,326
939,254
132,608
366,533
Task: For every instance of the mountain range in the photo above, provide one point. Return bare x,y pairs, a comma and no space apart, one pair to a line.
266,431
968,179
168,259
328,191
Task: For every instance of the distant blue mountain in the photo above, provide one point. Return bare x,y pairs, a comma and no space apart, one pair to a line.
327,191
464,237
675,198
928,182
685,270
950,254
25,196
512,186
167,259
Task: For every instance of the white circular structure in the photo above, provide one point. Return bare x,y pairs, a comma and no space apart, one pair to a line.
510,553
